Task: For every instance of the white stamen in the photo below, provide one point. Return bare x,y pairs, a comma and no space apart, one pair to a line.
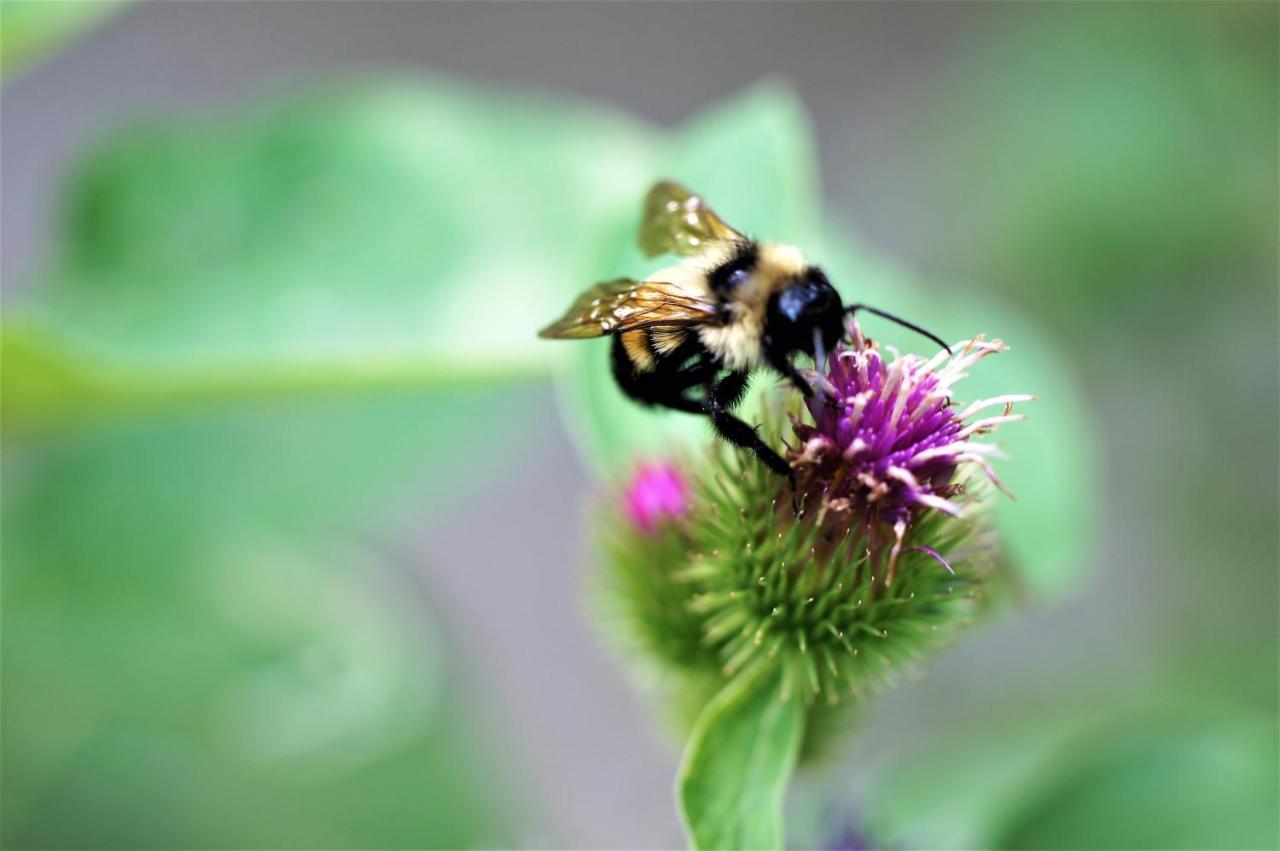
989,422
939,503
863,377
891,380
903,475
904,388
899,530
986,468
956,448
1007,399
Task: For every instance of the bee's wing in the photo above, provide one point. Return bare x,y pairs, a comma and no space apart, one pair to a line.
678,221
625,305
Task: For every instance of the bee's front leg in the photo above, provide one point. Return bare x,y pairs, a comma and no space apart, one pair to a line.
722,396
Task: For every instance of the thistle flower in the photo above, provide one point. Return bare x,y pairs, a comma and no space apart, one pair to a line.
886,442
761,602
887,556
657,492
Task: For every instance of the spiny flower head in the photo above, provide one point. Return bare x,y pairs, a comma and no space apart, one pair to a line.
888,553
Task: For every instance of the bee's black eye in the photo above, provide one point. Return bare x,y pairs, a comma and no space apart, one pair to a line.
736,271
730,276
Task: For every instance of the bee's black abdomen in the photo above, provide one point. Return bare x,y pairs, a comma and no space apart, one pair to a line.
667,378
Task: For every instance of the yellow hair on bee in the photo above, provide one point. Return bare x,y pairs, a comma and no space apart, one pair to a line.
636,344
739,342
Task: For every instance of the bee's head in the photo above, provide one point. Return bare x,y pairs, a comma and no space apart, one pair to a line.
809,303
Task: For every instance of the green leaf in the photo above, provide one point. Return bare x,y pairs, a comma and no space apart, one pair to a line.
258,335
1085,217
739,759
1169,783
53,383
910,797
414,229
232,689
30,29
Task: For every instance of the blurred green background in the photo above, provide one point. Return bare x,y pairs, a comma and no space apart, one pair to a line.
295,506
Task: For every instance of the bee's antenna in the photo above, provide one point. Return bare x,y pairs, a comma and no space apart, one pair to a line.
854,308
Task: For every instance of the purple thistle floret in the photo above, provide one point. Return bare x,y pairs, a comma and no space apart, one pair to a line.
887,441
656,493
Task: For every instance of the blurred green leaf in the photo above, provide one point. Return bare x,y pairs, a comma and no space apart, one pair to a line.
182,599
52,383
955,787
1124,774
30,29
173,681
736,767
391,228
1162,783
1120,151
258,335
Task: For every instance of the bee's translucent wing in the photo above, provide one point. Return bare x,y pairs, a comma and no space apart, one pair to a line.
624,305
676,220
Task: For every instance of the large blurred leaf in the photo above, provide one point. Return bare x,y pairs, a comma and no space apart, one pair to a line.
1120,149
401,218
419,229
178,676
955,791
1106,770
259,332
1190,782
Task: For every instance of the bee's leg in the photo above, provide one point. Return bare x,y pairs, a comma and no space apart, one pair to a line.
675,393
680,402
721,397
697,374
728,391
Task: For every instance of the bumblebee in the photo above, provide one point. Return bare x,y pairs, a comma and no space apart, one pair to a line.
689,336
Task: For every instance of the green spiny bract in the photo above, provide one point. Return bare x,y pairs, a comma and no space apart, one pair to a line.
802,590
742,580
